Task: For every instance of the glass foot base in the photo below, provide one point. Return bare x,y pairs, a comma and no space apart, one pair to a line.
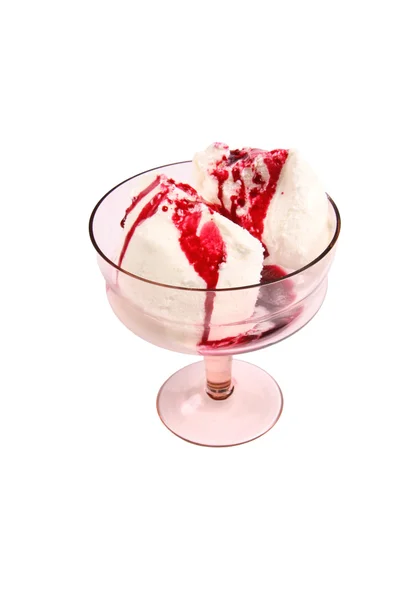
251,410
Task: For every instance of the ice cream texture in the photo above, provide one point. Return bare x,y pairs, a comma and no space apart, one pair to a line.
252,216
173,237
275,195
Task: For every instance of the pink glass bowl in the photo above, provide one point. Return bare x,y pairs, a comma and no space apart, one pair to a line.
215,402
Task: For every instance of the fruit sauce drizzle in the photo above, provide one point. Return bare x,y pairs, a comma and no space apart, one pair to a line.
138,198
259,197
204,249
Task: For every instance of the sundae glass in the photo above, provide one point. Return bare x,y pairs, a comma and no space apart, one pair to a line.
218,401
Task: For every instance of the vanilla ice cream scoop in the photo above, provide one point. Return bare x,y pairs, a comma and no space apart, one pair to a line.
171,236
274,195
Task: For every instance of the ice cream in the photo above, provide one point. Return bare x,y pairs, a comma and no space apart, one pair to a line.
252,216
171,236
275,195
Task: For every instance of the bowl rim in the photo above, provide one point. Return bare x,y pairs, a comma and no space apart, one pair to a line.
177,287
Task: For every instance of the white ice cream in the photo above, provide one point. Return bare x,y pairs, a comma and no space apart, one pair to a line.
154,252
296,228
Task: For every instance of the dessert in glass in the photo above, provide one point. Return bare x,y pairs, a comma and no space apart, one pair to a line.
216,257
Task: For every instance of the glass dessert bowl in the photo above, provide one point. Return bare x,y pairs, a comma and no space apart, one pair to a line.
217,401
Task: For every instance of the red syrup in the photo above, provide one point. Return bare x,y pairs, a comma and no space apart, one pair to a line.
205,251
221,175
236,155
258,199
185,187
139,197
147,211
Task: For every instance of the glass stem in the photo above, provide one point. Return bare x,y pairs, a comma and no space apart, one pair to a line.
218,376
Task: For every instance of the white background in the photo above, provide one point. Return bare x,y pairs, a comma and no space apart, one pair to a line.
98,500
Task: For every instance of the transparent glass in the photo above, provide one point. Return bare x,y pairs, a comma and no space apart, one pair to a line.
219,401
